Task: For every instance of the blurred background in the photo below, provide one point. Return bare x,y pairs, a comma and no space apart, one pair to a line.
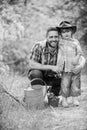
24,22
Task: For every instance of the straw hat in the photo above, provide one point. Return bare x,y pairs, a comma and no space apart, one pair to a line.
66,25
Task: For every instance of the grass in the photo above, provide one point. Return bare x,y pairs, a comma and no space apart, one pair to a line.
15,117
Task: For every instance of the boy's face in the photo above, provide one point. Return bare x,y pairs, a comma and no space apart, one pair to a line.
66,33
53,38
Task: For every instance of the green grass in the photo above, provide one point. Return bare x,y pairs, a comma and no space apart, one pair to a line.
15,117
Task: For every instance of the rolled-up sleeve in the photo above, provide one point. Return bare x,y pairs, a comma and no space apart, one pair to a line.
82,61
80,52
35,53
79,49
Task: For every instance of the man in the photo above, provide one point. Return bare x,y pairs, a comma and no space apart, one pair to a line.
43,61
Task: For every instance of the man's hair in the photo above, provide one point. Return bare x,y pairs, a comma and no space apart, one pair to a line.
51,29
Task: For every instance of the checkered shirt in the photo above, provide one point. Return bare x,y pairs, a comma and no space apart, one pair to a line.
42,54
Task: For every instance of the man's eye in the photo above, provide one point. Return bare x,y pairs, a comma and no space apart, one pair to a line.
56,36
51,37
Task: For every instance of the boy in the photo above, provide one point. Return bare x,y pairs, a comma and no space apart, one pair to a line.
72,58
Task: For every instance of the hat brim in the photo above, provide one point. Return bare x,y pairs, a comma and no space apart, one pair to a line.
74,28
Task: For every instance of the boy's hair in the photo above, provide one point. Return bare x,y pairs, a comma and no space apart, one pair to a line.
51,29
72,33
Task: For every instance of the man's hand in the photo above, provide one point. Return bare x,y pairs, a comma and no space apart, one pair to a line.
76,69
56,69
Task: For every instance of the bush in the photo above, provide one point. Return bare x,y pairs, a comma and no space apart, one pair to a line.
16,58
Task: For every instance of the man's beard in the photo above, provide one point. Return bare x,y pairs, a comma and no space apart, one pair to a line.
54,43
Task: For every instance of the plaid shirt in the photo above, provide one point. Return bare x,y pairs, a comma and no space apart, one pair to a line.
69,49
41,53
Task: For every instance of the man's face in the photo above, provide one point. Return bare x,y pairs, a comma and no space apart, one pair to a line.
53,38
66,33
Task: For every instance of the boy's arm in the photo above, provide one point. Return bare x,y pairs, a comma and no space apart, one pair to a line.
77,69
78,47
80,55
82,61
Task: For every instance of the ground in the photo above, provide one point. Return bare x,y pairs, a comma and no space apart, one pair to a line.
15,117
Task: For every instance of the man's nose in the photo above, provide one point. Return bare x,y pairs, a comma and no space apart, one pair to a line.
53,38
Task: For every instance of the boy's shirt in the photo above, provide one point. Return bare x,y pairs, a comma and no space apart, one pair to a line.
69,49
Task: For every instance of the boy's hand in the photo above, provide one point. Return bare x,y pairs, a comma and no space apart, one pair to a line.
76,69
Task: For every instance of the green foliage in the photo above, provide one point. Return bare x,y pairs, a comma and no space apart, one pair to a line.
36,17
16,58
12,2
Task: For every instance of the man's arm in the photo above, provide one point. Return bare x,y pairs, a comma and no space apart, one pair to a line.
35,58
35,65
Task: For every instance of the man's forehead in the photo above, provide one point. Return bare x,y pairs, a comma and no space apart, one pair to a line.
53,32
